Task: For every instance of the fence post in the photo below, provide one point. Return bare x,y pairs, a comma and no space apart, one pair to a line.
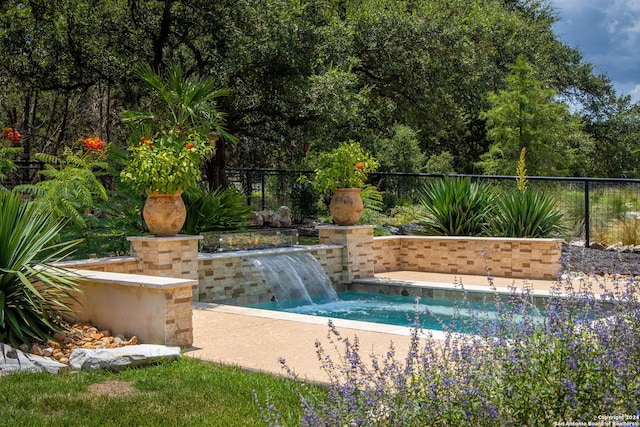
249,186
263,190
587,210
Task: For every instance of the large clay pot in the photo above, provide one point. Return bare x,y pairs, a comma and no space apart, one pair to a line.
346,206
164,213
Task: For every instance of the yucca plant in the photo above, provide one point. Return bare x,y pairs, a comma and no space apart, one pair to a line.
527,213
456,207
33,293
216,210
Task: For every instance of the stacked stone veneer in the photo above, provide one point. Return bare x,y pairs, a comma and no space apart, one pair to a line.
161,310
500,257
230,278
357,256
345,254
167,256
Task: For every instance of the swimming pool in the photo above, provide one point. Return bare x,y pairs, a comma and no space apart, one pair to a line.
387,309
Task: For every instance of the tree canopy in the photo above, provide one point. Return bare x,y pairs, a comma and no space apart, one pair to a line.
306,74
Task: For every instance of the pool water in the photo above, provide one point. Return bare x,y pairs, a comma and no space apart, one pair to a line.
389,309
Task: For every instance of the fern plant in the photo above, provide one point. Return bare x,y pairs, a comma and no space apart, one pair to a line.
373,204
70,186
6,161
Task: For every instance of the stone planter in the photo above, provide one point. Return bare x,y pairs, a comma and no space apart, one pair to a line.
164,214
346,206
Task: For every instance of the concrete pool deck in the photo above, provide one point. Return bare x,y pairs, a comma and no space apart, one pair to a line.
256,339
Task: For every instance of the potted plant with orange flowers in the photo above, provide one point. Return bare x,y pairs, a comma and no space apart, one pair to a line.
343,171
170,144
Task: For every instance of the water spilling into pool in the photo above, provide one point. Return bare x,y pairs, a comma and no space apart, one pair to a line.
300,285
295,279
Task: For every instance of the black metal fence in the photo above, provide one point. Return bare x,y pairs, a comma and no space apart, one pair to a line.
601,209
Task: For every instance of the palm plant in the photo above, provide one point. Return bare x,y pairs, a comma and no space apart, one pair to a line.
33,293
183,103
455,207
172,139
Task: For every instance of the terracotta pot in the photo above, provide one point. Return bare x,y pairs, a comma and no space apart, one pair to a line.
346,206
164,214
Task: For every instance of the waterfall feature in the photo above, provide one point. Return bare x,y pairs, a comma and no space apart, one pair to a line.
295,279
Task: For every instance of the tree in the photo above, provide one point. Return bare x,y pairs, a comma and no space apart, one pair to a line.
526,115
300,74
401,153
615,126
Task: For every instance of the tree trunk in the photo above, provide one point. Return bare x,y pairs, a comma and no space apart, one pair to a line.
216,175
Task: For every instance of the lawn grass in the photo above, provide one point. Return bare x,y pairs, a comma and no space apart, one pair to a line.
187,392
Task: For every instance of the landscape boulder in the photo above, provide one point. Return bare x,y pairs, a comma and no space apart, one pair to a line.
276,219
14,360
118,358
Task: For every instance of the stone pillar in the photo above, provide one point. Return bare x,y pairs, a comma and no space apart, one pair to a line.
167,256
357,258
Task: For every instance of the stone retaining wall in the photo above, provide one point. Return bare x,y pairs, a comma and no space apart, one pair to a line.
150,294
500,257
229,278
155,309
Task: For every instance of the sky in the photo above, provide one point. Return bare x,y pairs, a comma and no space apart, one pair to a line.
607,32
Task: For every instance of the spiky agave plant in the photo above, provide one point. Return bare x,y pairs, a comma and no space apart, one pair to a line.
33,293
527,212
456,207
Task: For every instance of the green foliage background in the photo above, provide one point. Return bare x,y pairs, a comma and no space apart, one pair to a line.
304,75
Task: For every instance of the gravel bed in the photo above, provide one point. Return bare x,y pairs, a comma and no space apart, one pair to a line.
598,261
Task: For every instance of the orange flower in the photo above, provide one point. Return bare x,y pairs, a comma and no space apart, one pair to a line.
146,141
10,134
190,146
93,144
360,166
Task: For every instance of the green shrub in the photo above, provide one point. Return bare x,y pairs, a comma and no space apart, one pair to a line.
7,165
401,153
214,210
456,207
32,292
408,214
527,213
304,200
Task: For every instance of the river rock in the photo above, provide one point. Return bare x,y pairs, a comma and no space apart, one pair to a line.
118,358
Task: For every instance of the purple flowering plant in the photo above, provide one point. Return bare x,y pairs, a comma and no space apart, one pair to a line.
575,358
